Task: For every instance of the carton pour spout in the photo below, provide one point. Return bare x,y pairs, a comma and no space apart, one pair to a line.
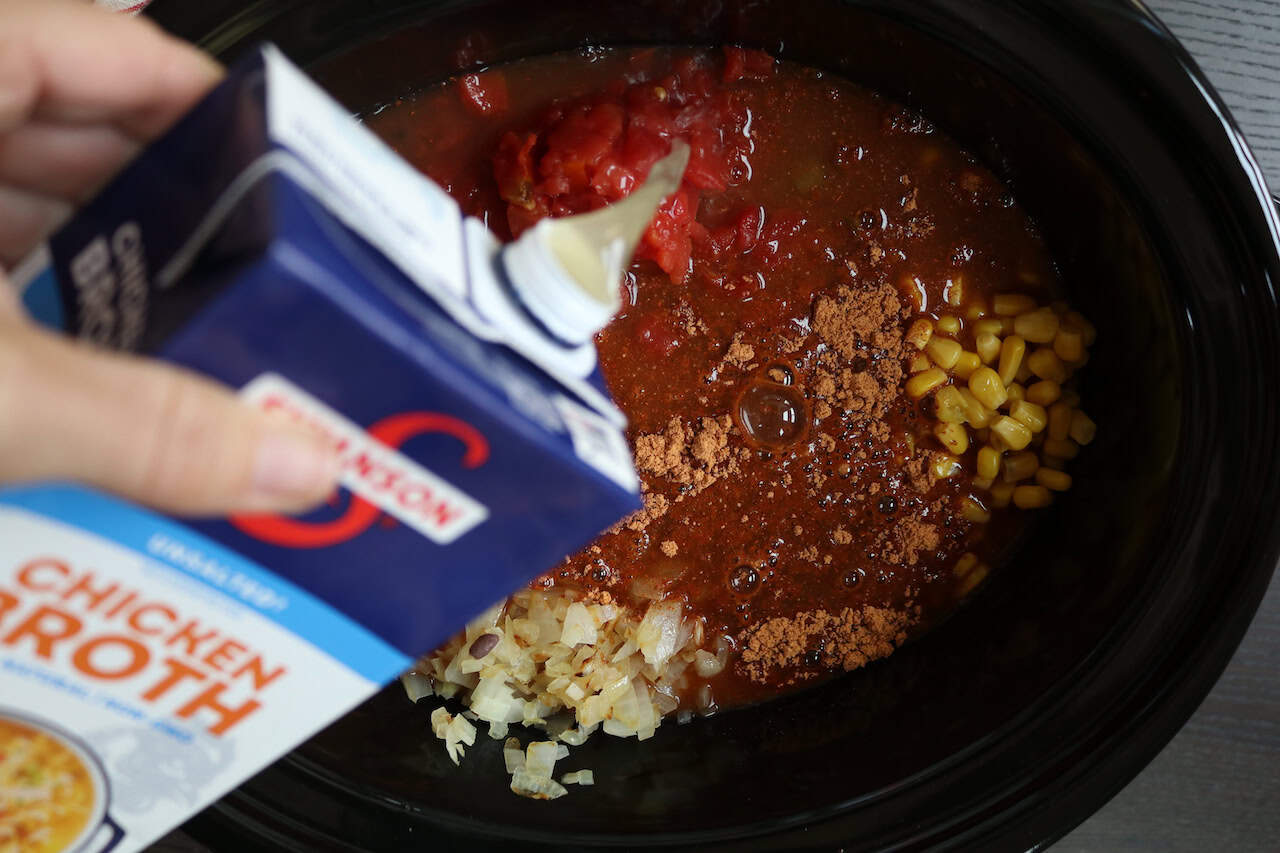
565,271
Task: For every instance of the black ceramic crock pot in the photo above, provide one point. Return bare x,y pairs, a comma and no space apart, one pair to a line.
1009,724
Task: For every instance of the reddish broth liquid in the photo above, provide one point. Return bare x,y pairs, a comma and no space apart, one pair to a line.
846,181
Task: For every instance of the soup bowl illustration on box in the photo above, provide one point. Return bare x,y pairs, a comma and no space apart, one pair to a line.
53,791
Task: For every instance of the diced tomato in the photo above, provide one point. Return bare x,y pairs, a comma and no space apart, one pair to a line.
513,169
587,152
749,226
484,94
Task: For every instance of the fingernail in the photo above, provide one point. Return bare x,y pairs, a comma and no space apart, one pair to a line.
290,465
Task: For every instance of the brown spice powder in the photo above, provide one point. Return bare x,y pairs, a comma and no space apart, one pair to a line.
847,640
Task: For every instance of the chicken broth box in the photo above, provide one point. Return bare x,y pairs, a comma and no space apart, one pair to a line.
272,242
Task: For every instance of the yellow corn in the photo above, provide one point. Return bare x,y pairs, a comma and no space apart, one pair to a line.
1060,420
1016,393
989,326
949,405
977,576
1058,481
1020,466
954,437
919,333
1087,331
1046,364
1057,463
1031,497
919,362
1039,326
945,466
1012,349
963,565
949,324
978,415
966,364
986,386
1012,304
944,352
1082,429
988,347
1001,493
1024,374
953,293
981,483
1044,392
1062,448
988,462
1013,433
925,381
1069,345
971,510
1035,417
976,310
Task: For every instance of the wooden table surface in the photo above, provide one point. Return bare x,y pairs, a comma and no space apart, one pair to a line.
1216,786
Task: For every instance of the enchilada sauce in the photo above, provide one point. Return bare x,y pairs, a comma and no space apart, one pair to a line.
796,498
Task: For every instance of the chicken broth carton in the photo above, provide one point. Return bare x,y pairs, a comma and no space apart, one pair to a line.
148,664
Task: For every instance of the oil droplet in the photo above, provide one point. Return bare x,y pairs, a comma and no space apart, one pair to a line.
853,577
772,416
744,580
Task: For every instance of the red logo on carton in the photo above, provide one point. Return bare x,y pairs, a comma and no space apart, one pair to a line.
380,479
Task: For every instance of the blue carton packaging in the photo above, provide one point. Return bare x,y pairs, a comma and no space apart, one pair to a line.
273,243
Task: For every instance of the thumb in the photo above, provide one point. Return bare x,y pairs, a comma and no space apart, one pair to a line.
147,431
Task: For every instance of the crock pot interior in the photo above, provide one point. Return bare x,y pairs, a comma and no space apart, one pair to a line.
1065,597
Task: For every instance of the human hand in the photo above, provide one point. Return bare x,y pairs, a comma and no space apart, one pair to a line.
81,91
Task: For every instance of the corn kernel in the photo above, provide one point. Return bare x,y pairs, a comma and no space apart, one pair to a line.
1024,374
919,333
1035,417
1057,463
1016,393
1039,326
1082,429
1031,497
1069,345
1012,349
953,293
1062,448
989,326
988,347
1058,481
944,352
1006,326
919,362
981,482
1013,433
954,437
977,310
1044,392
1001,493
977,576
1060,420
986,386
978,415
1045,364
988,463
949,324
949,406
1087,330
965,564
971,510
1012,304
945,466
925,381
1020,466
967,364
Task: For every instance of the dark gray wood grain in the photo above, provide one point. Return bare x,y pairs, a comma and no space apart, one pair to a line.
1216,786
